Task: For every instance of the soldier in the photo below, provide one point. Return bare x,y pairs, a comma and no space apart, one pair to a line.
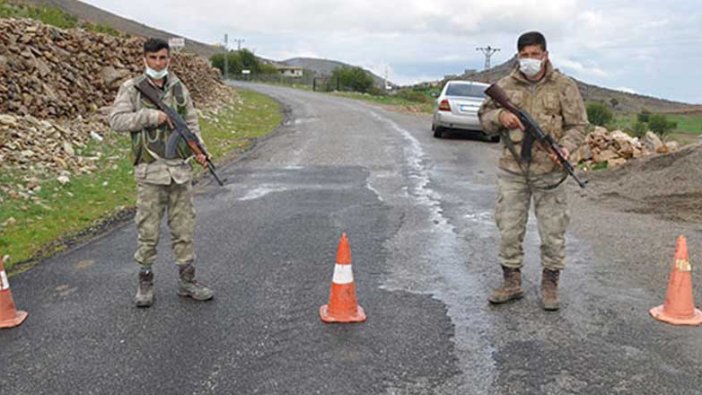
528,171
162,184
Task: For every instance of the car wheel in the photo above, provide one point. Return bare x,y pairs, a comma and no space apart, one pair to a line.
438,131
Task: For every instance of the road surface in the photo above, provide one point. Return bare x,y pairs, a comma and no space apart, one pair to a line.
418,212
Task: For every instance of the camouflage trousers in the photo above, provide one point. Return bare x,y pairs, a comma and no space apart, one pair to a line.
514,196
152,202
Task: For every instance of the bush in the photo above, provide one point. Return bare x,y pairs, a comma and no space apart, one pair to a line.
660,125
413,95
599,114
640,129
644,116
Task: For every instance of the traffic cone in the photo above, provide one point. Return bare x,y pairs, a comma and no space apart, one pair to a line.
342,306
9,316
679,306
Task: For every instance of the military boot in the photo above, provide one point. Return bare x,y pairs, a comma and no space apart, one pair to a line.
188,286
549,289
145,291
511,288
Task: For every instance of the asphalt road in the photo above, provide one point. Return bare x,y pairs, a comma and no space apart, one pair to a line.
419,216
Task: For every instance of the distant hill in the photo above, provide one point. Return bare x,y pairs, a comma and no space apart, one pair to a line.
326,67
96,15
626,102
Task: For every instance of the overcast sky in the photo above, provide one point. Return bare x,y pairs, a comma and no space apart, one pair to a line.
648,47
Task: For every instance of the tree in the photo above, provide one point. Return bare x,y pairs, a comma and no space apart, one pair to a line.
599,114
660,125
241,60
350,78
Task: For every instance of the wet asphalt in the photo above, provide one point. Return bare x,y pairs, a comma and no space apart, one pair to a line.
418,212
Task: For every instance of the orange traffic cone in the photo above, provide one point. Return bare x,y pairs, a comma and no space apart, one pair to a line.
9,316
342,306
679,306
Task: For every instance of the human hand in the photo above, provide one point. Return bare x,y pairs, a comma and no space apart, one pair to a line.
564,152
162,117
510,121
201,159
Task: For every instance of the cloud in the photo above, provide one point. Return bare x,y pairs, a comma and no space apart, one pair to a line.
645,45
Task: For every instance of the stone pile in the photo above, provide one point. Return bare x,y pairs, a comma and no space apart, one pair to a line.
49,72
40,146
616,147
56,87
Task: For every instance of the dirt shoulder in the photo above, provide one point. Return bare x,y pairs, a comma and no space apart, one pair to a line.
632,215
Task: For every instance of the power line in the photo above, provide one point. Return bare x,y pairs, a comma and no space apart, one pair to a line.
488,51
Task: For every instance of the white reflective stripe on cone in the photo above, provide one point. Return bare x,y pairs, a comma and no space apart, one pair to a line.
4,284
342,274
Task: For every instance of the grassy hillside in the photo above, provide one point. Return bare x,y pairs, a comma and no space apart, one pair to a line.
96,16
625,102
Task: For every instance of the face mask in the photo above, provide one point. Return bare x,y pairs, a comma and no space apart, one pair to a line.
530,67
157,75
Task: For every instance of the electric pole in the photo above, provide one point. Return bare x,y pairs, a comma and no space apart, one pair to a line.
238,42
226,56
488,51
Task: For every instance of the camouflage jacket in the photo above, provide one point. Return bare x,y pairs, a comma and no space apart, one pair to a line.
134,114
554,102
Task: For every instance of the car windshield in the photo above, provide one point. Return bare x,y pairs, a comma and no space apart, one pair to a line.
465,90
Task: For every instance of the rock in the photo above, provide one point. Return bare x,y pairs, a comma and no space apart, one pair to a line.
68,148
604,156
110,75
672,146
63,180
615,162
95,136
651,141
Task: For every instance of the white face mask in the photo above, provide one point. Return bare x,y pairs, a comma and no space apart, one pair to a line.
530,67
157,75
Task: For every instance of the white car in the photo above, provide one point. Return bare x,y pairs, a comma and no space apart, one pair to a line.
457,108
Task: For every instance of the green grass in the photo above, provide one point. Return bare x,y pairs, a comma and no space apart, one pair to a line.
49,15
65,210
389,100
52,16
687,124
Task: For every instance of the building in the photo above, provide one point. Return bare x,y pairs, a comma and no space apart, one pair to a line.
290,71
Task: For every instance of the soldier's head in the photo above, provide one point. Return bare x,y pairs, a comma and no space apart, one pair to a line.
532,55
156,58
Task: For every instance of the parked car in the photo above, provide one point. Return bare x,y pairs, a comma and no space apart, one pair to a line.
457,108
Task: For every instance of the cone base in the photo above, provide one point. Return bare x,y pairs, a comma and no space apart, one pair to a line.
13,322
360,316
660,315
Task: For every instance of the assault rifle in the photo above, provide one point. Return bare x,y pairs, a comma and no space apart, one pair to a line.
531,127
181,128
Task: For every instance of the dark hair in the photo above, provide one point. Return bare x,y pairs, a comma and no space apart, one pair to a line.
531,38
155,45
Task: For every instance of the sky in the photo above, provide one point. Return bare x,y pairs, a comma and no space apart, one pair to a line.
647,47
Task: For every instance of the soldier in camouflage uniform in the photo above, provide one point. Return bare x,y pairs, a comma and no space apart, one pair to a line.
163,185
555,103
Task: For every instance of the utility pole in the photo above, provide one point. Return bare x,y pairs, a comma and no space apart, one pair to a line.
238,42
488,51
226,56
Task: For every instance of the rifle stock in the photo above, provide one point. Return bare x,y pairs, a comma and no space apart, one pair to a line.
498,94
